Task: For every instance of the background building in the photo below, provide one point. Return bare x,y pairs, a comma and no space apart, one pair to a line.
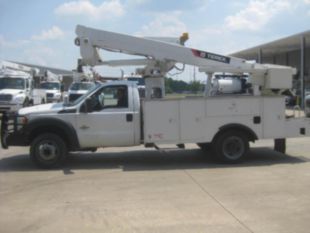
291,51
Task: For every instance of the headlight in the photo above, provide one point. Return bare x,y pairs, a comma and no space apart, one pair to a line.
22,120
19,99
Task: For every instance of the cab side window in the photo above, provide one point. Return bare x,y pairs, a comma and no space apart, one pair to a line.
110,97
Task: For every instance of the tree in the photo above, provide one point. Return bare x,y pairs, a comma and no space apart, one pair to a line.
195,86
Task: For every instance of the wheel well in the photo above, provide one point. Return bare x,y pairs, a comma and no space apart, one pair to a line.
50,129
249,133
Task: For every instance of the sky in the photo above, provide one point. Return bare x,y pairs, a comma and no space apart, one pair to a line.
42,32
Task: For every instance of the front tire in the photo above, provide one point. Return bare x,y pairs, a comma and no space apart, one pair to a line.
231,146
26,103
48,150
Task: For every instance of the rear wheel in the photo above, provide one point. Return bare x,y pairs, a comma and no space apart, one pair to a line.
48,150
231,146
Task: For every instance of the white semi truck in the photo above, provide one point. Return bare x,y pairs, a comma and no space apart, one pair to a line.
17,87
112,114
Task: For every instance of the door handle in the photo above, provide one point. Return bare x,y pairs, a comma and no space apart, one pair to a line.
84,127
129,117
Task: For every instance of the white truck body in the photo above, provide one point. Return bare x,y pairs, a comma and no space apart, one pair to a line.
193,120
174,121
113,114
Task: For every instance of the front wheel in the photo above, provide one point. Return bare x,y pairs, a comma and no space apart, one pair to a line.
26,103
231,146
48,150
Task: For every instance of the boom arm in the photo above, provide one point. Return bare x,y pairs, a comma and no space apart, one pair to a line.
90,40
160,57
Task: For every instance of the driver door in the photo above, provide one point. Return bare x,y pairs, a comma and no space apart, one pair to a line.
106,123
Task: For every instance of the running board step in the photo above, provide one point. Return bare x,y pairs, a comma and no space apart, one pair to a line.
178,146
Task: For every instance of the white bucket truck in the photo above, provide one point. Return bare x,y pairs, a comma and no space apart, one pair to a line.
81,84
139,80
112,114
17,87
52,84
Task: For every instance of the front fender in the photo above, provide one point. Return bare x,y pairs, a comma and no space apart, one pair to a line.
53,125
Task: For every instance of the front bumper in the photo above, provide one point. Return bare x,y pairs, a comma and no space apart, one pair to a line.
51,100
9,107
12,133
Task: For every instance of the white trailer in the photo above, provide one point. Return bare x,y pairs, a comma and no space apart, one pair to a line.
112,114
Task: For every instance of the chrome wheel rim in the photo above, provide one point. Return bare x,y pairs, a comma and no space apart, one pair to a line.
48,151
233,147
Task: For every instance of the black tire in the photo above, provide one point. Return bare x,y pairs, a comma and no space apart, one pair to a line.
48,150
280,145
205,146
231,146
26,103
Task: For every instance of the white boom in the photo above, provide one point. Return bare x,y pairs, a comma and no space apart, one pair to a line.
51,77
162,56
18,67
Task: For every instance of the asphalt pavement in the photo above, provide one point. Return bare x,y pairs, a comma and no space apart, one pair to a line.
144,190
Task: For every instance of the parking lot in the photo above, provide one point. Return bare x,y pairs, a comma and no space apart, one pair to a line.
139,190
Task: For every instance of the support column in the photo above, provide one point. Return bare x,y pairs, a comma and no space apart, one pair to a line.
302,69
208,85
260,56
274,59
287,59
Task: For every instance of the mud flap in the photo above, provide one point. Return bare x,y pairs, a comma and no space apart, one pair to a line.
4,131
280,145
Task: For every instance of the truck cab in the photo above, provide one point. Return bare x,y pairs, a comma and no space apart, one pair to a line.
77,89
108,115
15,89
53,91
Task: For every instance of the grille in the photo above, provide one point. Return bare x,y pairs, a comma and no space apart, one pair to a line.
6,97
308,102
49,95
73,97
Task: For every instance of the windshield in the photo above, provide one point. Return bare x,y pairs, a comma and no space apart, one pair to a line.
50,86
78,100
139,81
81,86
12,83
